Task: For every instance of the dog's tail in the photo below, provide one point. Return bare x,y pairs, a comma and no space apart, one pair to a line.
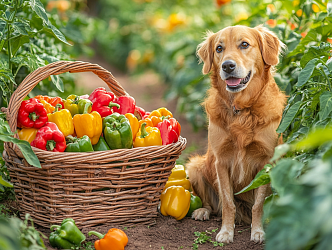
243,211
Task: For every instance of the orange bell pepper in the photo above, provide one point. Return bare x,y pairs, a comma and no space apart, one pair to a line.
49,102
159,115
115,239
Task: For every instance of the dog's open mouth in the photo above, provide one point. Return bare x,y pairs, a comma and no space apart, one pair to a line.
237,83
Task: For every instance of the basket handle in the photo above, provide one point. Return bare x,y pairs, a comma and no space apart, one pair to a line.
57,68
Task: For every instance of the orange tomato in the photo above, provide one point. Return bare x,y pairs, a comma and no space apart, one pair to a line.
222,2
271,22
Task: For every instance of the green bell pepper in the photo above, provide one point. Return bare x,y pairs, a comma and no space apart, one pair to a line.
82,144
117,131
101,145
195,203
67,235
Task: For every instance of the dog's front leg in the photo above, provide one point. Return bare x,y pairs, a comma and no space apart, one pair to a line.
257,232
226,233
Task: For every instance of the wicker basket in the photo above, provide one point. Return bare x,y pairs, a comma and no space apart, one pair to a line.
116,186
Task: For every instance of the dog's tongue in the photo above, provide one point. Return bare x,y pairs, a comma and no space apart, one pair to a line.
233,81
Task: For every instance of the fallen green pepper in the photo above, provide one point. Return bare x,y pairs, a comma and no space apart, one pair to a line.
101,145
67,235
117,131
195,203
82,144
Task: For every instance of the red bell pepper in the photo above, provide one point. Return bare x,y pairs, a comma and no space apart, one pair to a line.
168,132
32,114
140,111
176,125
50,138
103,101
127,105
51,100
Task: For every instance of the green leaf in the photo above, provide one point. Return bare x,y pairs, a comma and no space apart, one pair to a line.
262,178
57,81
315,139
56,33
325,105
21,28
17,42
25,148
7,74
5,183
306,73
288,117
39,9
280,151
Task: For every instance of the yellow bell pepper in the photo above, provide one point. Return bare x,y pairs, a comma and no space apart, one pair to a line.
134,125
62,118
49,108
27,134
178,177
175,201
162,113
88,124
149,136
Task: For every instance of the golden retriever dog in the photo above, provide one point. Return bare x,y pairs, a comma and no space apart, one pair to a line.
244,107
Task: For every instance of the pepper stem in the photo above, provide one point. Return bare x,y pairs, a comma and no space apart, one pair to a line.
54,226
112,104
33,116
86,107
57,107
99,235
144,133
50,145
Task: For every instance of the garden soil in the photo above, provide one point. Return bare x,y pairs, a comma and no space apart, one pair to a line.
165,233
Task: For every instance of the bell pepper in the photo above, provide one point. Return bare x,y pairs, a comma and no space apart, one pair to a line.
103,101
66,236
162,113
51,100
101,145
27,134
168,133
133,124
175,201
139,113
147,136
32,114
115,239
88,124
50,138
148,122
75,144
49,108
75,104
62,118
127,105
117,131
195,203
178,177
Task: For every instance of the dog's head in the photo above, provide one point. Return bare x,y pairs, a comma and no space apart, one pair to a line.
239,54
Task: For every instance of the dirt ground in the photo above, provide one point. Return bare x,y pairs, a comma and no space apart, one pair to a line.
166,233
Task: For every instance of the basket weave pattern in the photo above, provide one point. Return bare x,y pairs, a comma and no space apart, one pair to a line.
120,186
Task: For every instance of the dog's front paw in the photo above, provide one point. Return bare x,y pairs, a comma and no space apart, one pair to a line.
225,236
257,235
201,214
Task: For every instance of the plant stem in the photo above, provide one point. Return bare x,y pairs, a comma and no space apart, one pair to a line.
326,77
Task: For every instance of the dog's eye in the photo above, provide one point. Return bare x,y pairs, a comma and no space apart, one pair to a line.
219,49
244,45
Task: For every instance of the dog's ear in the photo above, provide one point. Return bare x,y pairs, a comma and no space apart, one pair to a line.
270,45
205,52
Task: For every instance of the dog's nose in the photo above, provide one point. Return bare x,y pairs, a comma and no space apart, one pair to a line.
228,66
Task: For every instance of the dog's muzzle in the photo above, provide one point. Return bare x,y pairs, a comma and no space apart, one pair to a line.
237,84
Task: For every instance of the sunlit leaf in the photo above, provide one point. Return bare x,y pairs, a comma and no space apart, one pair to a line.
17,42
280,151
21,28
57,81
5,183
25,148
262,178
288,117
39,9
306,73
325,105
56,33
315,139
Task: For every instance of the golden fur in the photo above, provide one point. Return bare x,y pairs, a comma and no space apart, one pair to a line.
240,143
